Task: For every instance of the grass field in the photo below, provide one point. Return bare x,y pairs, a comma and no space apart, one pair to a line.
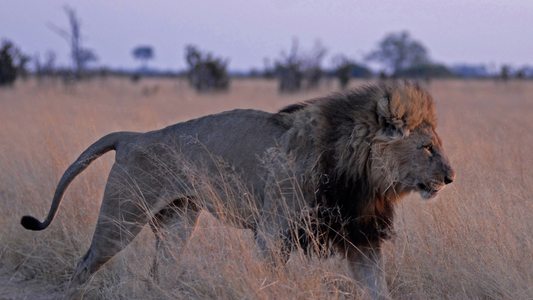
474,242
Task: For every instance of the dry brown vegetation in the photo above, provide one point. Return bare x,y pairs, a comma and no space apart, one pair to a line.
474,242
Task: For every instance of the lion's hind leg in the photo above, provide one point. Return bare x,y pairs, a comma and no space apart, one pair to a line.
125,210
107,242
173,225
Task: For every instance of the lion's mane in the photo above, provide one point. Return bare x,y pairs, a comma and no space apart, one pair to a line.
355,196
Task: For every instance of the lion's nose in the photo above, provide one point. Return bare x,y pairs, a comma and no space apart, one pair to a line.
450,176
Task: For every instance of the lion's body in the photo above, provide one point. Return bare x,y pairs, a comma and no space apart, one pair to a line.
357,153
203,147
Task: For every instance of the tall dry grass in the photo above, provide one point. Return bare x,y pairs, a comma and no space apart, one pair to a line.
475,241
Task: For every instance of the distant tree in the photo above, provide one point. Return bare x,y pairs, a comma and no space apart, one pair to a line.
49,65
269,70
504,73
8,69
206,73
46,68
37,66
288,70
144,54
311,65
103,73
346,68
13,63
254,73
80,56
398,51
524,72
295,68
520,74
23,61
343,68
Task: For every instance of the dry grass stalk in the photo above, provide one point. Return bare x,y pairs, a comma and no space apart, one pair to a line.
475,241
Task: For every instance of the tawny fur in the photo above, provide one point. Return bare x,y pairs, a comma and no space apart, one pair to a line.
349,157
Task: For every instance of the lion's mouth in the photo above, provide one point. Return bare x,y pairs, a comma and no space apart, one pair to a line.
427,192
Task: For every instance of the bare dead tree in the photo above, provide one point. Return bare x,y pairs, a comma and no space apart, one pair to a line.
49,65
23,61
80,56
288,69
311,65
268,72
38,67
44,68
296,68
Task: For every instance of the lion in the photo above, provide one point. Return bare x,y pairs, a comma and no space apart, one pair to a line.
348,158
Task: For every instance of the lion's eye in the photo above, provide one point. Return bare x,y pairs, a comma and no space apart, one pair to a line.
428,147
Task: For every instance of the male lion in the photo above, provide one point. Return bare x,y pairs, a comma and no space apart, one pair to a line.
350,157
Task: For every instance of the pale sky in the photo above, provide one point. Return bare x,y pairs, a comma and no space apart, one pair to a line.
458,31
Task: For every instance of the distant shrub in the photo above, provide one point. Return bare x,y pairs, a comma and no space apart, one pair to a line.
8,70
294,68
425,71
206,73
504,74
290,76
345,69
135,77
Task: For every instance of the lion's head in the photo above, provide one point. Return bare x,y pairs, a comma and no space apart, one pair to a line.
416,162
406,150
375,145
385,136
381,134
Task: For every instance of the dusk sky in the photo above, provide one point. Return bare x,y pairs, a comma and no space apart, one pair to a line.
491,32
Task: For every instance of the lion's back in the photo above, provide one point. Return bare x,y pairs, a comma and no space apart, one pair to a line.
229,141
237,136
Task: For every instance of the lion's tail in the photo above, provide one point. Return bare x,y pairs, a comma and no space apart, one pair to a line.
99,148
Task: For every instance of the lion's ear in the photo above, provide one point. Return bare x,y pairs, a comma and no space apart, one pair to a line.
391,125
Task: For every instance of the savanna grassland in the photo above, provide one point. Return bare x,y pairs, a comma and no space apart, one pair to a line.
474,242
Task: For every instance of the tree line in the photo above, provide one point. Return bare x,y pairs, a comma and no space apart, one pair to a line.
398,54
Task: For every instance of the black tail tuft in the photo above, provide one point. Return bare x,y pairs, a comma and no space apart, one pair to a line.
31,223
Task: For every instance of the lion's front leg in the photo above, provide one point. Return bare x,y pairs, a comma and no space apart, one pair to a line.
269,237
366,266
283,200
